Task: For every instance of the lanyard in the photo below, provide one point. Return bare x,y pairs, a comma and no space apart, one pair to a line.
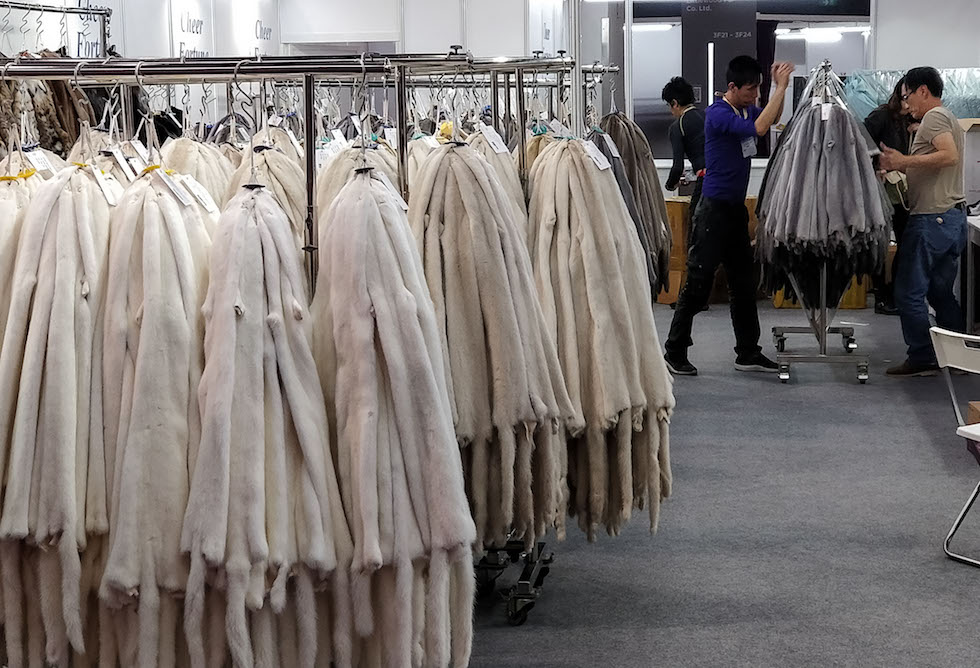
743,113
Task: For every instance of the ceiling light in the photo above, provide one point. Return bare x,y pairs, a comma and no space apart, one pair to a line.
813,35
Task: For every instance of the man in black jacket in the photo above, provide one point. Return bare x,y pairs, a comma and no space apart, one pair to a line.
686,135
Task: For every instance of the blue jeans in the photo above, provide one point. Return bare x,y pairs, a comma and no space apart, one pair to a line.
928,261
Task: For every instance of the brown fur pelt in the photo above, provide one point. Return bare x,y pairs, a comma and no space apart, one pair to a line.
592,280
264,503
379,355
647,193
503,373
51,134
50,415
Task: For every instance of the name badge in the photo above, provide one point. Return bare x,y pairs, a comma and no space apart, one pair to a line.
749,147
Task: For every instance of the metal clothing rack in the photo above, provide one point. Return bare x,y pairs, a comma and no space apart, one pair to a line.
103,13
403,71
826,86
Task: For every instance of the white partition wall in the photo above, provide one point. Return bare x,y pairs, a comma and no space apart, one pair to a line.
909,33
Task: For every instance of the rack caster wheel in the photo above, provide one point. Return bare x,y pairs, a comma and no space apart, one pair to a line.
850,344
784,373
862,374
780,343
517,610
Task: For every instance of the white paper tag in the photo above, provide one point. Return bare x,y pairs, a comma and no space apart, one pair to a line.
357,123
559,128
381,176
338,136
140,150
175,188
294,140
320,157
39,160
275,120
431,141
103,185
749,147
611,145
825,111
493,138
815,102
202,195
123,163
597,157
391,136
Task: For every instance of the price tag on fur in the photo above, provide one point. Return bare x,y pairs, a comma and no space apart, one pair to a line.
110,197
320,156
560,128
493,138
294,140
815,102
202,195
123,163
381,176
597,157
338,136
275,121
391,136
140,150
357,123
431,141
825,111
39,160
175,188
611,145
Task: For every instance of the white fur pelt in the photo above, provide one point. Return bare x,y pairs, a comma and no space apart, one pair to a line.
503,373
233,153
284,177
50,417
380,360
86,148
341,168
204,162
17,162
536,144
153,358
592,280
506,170
264,521
15,195
418,150
278,138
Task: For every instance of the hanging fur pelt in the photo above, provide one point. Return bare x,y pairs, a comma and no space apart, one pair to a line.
285,179
233,153
15,195
204,162
86,147
380,360
50,415
503,374
536,144
591,276
264,516
50,133
599,138
418,150
506,170
278,138
17,162
342,168
153,355
647,193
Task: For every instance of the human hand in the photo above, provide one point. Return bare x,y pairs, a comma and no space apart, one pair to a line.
890,159
781,74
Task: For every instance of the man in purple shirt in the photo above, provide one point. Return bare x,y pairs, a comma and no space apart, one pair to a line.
732,125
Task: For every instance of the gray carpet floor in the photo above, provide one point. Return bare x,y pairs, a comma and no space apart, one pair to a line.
805,529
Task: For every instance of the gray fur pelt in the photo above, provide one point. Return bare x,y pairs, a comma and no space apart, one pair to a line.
153,356
641,170
380,361
503,374
50,417
591,277
264,502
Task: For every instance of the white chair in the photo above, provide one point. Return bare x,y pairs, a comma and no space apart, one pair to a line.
959,351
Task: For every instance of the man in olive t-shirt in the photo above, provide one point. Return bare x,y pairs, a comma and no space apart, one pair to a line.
936,232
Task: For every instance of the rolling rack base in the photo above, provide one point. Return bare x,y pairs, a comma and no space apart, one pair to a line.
785,359
522,596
